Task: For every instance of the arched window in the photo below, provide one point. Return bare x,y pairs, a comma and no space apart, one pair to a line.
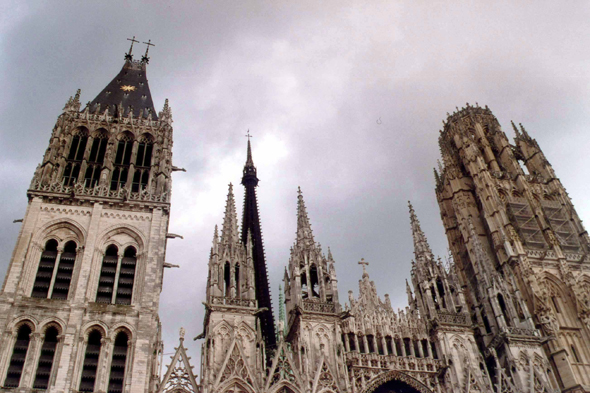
226,278
46,359
304,289
71,174
117,375
61,286
124,149
504,309
78,146
144,152
141,178
45,270
19,354
90,365
99,147
108,271
126,276
119,178
314,282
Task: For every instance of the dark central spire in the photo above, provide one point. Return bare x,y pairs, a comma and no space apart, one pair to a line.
251,223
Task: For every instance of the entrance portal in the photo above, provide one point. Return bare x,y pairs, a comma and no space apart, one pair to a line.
395,386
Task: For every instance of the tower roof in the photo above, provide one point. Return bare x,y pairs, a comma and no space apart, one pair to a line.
229,231
421,247
129,90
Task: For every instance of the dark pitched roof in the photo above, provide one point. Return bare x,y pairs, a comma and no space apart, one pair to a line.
129,88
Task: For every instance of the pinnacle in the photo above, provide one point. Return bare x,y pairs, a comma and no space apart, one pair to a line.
421,246
229,231
304,233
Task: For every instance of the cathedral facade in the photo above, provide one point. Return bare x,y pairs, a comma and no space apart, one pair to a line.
509,311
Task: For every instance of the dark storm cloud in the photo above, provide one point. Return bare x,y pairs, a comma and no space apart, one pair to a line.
344,99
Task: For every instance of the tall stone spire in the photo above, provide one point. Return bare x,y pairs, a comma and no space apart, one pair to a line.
229,230
421,247
251,223
304,232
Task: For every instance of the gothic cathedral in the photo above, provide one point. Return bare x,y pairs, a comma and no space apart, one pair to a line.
507,312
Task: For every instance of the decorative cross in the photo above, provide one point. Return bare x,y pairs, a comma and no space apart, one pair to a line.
133,40
365,264
248,135
149,43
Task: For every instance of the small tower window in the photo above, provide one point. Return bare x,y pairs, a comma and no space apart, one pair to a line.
46,359
45,270
237,279
92,175
126,276
304,289
504,309
19,355
61,285
226,279
388,343
117,375
555,304
90,365
314,282
140,180
108,271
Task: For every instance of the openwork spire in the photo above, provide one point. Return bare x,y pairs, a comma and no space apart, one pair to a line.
229,231
304,232
421,247
251,224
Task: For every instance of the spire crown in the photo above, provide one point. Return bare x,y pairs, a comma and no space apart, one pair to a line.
421,247
304,232
249,168
229,231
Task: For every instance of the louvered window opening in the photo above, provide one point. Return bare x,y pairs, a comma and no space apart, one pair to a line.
90,365
106,282
63,278
117,375
46,359
45,270
126,277
119,177
19,354
527,225
557,216
140,180
75,157
122,162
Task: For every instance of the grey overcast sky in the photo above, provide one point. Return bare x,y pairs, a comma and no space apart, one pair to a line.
344,98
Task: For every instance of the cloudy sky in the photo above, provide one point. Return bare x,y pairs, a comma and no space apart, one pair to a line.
344,98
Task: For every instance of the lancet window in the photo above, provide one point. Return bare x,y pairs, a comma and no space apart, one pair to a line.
45,270
96,159
117,276
143,162
226,279
46,359
90,365
122,162
75,156
108,271
63,276
118,363
19,355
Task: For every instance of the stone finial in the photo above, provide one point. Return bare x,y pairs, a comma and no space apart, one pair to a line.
181,333
229,230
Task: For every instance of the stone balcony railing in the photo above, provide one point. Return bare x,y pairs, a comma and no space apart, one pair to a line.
453,318
393,362
228,301
79,190
318,306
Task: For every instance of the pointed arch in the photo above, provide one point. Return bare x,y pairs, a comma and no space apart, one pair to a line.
395,376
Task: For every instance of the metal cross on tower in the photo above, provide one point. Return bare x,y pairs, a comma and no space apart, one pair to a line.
133,40
365,264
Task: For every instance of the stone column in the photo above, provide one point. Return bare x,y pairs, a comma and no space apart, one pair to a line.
32,360
384,345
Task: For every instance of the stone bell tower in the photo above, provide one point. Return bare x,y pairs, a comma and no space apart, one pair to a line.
521,253
79,304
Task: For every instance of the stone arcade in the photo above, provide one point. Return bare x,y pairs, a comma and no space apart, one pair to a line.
508,312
